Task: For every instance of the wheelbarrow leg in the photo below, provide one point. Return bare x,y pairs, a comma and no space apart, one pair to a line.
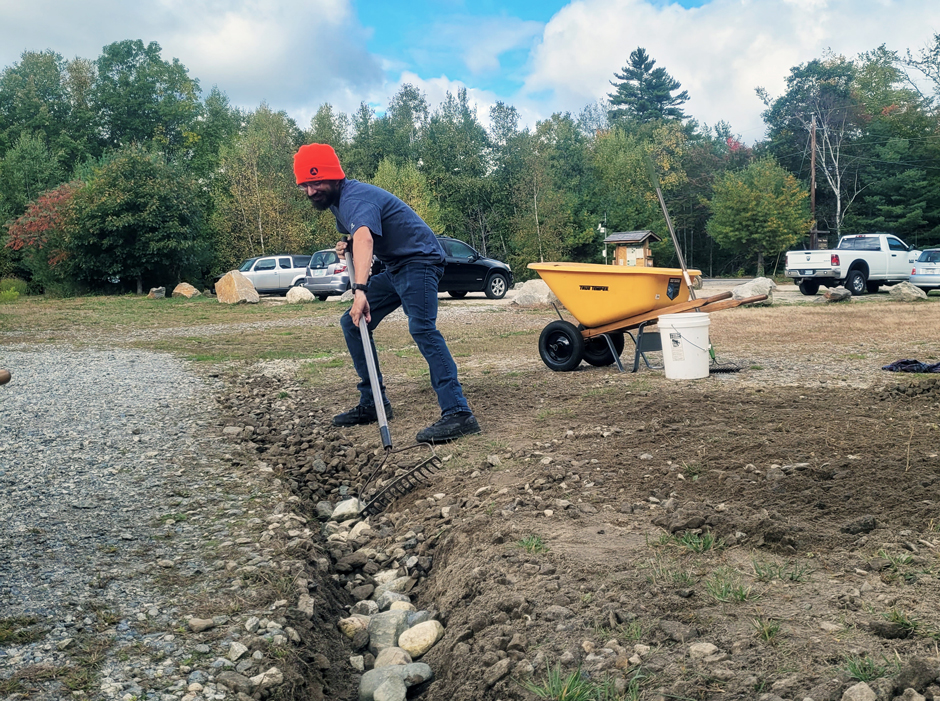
613,351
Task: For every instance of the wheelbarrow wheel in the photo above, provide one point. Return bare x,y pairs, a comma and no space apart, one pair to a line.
561,346
597,352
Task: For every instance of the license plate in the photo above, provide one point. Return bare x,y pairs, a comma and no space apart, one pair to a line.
807,272
319,273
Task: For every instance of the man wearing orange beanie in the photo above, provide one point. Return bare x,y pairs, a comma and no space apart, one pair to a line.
384,226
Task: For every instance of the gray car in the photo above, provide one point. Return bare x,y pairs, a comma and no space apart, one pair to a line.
326,275
926,272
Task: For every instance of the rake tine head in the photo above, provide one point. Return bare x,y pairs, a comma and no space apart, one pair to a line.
409,480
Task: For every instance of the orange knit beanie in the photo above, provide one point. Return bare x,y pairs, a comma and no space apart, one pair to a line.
317,162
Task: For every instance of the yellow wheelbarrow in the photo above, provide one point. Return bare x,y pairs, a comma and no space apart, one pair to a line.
608,300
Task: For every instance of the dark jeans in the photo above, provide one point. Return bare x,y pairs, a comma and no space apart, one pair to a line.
414,288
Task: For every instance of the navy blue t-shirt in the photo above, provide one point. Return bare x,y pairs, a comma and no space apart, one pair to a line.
399,235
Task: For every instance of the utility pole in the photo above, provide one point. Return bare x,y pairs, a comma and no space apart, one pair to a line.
814,232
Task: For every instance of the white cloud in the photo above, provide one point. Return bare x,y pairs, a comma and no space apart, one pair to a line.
720,52
289,54
481,40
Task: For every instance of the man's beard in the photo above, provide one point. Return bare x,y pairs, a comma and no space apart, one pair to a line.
324,199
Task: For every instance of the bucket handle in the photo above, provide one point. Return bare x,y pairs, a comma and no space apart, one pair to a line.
686,339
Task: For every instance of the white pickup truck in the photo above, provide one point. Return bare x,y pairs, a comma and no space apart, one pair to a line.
862,263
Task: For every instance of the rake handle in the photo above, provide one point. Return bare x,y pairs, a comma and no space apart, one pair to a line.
370,360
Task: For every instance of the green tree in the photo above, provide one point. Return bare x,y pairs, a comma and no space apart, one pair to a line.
407,183
330,127
138,219
626,198
259,209
927,62
454,160
820,92
762,210
140,98
28,169
645,93
548,195
402,127
33,99
363,156
217,126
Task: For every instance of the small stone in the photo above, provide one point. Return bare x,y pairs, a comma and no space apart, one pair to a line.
236,651
499,670
346,510
352,625
266,680
698,651
418,640
392,656
859,692
198,625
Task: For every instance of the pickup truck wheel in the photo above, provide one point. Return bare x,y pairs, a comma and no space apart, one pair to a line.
856,283
809,287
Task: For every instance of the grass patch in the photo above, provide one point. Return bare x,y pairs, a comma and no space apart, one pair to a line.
532,544
788,571
577,686
20,630
902,620
866,669
661,572
766,629
700,542
725,586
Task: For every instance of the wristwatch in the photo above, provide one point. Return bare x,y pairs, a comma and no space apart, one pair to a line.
357,286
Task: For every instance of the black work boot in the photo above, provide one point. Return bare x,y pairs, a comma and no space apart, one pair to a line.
360,415
449,428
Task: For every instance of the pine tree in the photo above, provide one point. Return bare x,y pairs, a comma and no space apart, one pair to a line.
644,93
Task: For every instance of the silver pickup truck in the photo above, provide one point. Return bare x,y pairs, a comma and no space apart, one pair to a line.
862,263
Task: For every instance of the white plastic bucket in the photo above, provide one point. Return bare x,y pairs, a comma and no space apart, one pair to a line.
685,345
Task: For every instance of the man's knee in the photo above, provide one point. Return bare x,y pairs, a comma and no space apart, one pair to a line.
422,327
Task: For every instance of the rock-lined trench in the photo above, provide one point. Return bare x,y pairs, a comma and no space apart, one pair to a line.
601,596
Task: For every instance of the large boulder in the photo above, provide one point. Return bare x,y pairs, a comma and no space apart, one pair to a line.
836,294
534,293
299,295
157,293
184,289
906,292
235,288
757,286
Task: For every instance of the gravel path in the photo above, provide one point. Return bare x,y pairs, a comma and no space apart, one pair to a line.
75,426
122,518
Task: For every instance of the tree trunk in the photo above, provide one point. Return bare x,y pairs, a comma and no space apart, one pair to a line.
140,285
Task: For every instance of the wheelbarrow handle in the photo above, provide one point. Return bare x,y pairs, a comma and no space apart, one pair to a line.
370,360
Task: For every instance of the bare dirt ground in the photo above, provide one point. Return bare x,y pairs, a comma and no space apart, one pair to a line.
787,514
772,533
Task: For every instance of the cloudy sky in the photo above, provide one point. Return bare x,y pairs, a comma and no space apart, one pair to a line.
541,56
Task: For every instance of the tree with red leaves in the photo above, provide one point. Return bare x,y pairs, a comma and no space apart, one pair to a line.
40,233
